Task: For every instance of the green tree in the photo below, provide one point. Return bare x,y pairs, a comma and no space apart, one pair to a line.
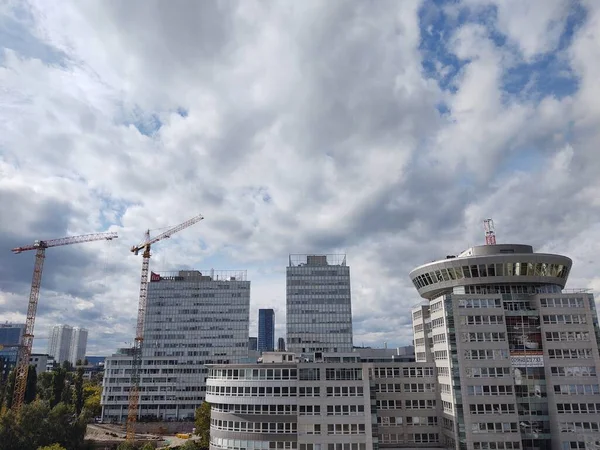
79,390
9,389
202,423
52,447
31,388
44,386
190,445
91,398
126,446
67,365
58,386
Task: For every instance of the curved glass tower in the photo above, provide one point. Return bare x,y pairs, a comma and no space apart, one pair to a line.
516,353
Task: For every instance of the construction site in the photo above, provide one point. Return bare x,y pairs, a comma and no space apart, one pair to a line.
103,435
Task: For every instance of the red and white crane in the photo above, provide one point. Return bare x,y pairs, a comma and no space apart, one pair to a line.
134,391
25,349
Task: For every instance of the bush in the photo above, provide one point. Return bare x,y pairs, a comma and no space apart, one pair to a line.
52,447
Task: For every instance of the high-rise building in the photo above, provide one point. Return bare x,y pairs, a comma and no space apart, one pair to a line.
192,319
59,344
281,344
11,337
266,330
319,307
78,345
252,343
516,354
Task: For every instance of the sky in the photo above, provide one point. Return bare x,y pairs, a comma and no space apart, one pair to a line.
385,130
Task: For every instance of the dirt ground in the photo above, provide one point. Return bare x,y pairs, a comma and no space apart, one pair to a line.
106,432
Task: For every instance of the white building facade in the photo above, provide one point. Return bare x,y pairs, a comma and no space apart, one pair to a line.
192,319
78,345
318,304
325,402
59,344
516,355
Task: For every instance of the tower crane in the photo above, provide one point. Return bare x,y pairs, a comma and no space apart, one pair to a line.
25,349
490,233
134,391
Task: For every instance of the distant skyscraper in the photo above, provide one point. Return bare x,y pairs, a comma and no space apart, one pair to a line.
253,343
78,345
281,344
266,330
319,308
59,345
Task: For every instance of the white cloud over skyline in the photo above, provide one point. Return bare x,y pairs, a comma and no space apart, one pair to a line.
385,130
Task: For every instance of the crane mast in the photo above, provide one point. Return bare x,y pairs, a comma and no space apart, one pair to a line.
134,391
490,233
22,368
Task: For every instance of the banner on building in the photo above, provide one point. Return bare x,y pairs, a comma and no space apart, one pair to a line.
527,361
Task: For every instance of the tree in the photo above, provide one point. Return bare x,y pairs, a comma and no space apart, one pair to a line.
10,389
126,446
203,424
44,386
79,390
191,445
52,447
91,398
67,365
58,386
31,387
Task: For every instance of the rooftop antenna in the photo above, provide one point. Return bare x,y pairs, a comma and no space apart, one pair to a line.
490,234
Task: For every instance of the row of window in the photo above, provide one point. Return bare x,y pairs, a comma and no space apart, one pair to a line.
498,445
564,319
387,421
406,387
482,320
236,444
576,389
486,354
253,374
254,391
487,408
578,408
570,353
346,428
345,410
487,336
340,446
581,445
495,427
562,302
256,409
490,270
352,374
254,427
490,390
574,371
480,303
408,404
578,427
405,372
567,336
487,372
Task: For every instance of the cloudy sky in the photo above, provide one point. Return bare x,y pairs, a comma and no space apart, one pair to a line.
387,130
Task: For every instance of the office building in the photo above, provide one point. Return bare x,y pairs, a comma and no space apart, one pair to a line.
39,361
322,402
11,337
319,307
192,319
78,345
266,330
281,344
252,343
59,344
516,354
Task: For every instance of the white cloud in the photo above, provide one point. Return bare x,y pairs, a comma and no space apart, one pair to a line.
309,126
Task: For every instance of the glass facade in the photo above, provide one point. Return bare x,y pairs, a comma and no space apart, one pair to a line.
191,320
319,308
266,330
507,269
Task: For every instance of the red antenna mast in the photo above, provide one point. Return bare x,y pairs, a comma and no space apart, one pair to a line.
490,234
